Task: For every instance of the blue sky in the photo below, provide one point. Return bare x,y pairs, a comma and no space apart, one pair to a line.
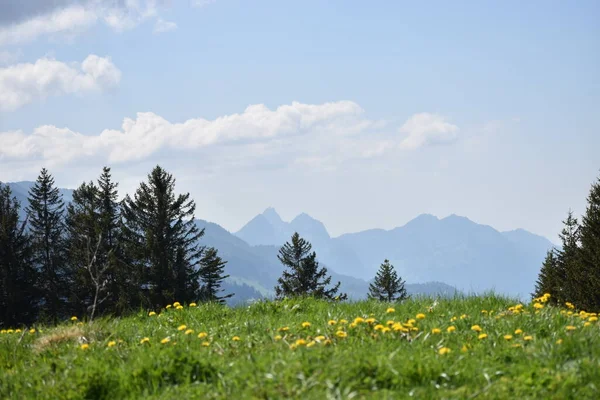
372,112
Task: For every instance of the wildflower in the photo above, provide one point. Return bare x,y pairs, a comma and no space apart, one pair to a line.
569,305
193,304
538,306
85,346
390,323
571,328
359,320
311,343
202,335
327,342
343,321
352,325
176,304
516,345
484,311
390,310
528,338
453,319
277,337
463,316
151,313
411,321
559,341
235,338
306,324
3,331
32,330
111,343
341,334
18,331
570,313
145,340
293,346
508,337
165,340
179,308
482,336
300,342
464,349
444,350
435,331
9,331
420,316
476,328
181,327
451,329
331,322
205,344
73,318
414,329
378,327
586,324
320,338
189,332
593,319
387,329
518,331
370,320
284,329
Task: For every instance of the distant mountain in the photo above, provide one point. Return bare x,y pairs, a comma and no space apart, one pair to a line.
455,250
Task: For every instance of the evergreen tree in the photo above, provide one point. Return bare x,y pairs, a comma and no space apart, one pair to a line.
568,271
162,240
304,277
548,279
45,215
387,286
212,273
18,297
588,286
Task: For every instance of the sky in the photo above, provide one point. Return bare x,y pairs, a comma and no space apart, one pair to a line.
361,114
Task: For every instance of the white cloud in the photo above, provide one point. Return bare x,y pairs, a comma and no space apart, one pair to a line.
201,3
161,26
7,57
21,84
427,129
80,16
321,136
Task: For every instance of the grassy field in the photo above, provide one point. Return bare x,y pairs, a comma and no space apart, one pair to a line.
471,347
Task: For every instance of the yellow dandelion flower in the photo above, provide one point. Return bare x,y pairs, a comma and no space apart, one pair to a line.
476,328
450,329
443,351
359,320
414,329
559,341
151,313
390,310
300,342
464,349
516,345
179,308
293,346
570,313
484,311
176,304
343,321
205,344
378,327
145,340
435,331
73,318
168,306
193,304
32,330
463,316
202,335
508,337
453,319
353,325
370,320
586,324
111,343
390,323
385,329
311,343
9,331
284,329
277,337
189,332
18,331
341,334
538,306
236,338
320,338
593,319
85,346
165,340
482,336
327,342
80,323
570,328
306,324
420,316
332,322
528,338
2,332
518,331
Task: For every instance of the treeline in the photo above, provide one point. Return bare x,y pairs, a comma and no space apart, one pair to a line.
571,274
98,255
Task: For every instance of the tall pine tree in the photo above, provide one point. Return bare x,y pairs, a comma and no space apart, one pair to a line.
163,240
387,286
18,297
568,269
589,257
304,277
212,273
547,281
45,216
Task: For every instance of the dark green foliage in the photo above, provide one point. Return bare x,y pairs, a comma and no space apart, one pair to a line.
589,237
547,281
45,216
162,241
387,286
304,277
18,303
212,273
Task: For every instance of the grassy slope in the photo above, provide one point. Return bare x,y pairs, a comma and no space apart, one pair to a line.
390,365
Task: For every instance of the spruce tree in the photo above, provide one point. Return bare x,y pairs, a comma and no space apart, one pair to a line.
547,281
304,277
387,286
162,240
588,286
18,297
45,216
212,274
568,270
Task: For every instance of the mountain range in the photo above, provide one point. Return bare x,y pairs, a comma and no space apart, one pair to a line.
434,256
